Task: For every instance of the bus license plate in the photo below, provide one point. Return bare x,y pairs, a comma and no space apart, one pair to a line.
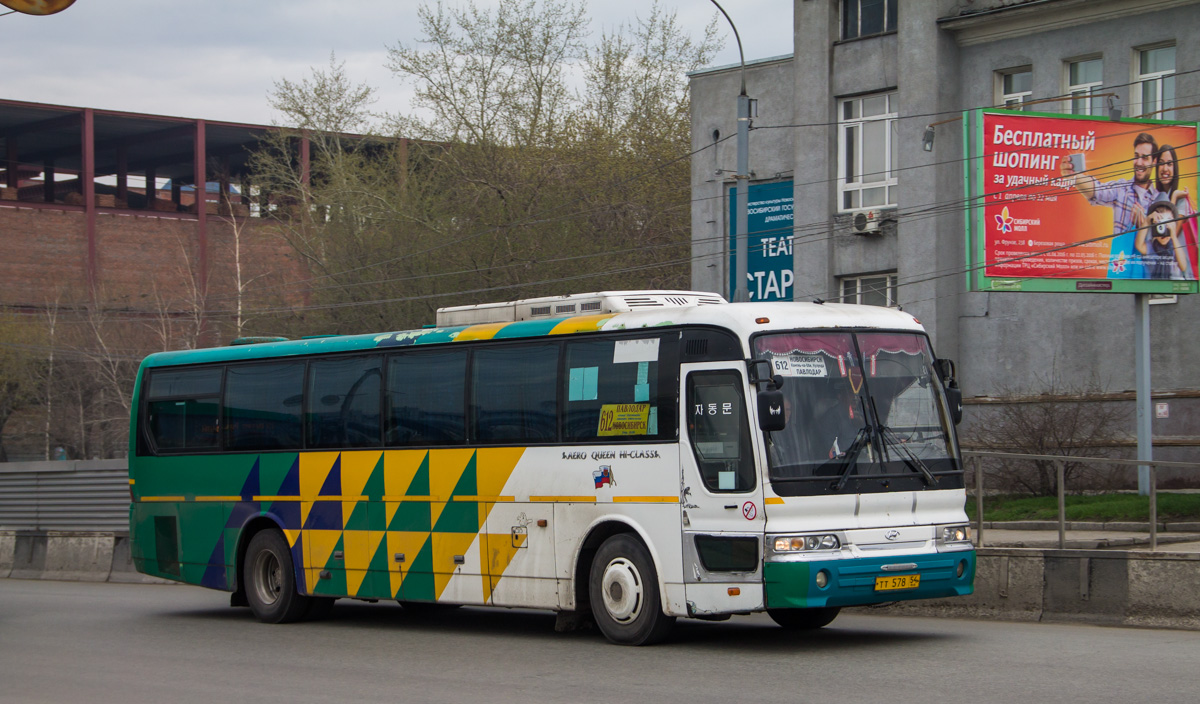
900,581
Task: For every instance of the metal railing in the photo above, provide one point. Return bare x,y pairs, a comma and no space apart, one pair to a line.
974,458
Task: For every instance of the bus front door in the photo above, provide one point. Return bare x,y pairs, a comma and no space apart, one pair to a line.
722,494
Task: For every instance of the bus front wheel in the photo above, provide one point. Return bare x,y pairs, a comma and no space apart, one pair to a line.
271,580
804,619
623,590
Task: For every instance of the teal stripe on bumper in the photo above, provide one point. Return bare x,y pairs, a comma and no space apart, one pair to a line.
792,585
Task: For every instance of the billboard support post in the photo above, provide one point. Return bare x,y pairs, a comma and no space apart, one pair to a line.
1145,442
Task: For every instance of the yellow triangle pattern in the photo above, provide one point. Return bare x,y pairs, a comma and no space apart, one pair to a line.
495,554
320,545
359,547
314,470
356,471
399,468
493,467
445,469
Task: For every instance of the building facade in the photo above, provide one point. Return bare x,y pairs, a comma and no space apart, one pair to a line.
845,125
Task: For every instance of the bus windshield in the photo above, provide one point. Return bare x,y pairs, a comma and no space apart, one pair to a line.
865,413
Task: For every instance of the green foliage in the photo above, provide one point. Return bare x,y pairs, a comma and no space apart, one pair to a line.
509,184
1098,507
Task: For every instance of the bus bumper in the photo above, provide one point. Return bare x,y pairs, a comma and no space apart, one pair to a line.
852,581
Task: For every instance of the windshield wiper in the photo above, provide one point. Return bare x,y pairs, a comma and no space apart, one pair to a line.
846,461
914,463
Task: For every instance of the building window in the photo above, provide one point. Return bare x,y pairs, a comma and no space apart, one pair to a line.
862,18
1084,78
874,290
1016,88
867,151
1154,90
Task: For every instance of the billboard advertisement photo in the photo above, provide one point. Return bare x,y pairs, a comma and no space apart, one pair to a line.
1070,203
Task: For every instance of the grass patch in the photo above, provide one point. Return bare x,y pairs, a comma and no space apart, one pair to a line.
1100,507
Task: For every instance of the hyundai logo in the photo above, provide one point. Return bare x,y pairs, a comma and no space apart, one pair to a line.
892,534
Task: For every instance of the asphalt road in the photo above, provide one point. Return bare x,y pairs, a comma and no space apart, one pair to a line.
81,642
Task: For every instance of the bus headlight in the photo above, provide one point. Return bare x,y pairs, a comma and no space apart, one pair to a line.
806,543
955,534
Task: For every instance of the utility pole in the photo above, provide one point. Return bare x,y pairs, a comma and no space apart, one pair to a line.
741,291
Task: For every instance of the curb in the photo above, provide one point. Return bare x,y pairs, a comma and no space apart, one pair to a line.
1102,587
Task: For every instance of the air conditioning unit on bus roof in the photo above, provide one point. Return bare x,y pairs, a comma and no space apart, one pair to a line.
575,304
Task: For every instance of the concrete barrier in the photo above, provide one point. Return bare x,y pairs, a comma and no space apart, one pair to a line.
8,546
1111,587
73,556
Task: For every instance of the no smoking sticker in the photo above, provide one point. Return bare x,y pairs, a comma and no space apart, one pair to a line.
749,510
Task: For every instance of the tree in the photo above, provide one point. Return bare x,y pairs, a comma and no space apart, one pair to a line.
1052,417
514,183
20,362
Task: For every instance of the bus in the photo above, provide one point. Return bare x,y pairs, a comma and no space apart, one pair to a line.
626,458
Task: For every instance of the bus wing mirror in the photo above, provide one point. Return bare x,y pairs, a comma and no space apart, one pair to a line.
771,414
954,400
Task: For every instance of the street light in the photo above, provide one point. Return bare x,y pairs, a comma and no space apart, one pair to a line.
741,292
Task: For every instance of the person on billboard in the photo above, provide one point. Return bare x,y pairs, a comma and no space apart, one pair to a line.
1129,199
1164,255
1167,181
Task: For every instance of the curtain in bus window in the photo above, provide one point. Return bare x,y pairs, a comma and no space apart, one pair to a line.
514,390
263,405
612,389
186,419
426,396
899,370
343,402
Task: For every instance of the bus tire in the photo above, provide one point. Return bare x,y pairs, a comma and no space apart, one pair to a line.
271,580
623,591
804,619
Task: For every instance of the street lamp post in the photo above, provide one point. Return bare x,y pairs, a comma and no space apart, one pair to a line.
741,252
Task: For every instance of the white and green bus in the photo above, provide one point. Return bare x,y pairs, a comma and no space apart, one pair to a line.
626,457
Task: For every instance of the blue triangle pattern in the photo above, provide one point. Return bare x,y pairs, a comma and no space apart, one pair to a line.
250,488
214,574
333,483
291,482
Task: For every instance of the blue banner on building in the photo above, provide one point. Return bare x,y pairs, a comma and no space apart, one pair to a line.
769,266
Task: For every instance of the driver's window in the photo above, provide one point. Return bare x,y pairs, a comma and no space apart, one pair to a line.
719,431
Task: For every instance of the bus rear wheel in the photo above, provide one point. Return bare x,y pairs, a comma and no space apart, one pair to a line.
271,580
804,619
623,590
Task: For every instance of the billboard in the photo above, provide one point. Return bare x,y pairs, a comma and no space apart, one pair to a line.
1072,203
769,220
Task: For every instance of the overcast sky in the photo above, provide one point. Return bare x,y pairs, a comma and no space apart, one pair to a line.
217,59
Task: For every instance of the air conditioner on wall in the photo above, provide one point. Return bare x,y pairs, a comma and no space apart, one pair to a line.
866,222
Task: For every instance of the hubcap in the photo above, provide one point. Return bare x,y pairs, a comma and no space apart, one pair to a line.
621,589
268,577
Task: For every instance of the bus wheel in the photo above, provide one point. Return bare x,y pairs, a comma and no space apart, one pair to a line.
271,581
623,590
804,619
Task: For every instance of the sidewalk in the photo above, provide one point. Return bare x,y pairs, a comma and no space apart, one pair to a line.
1172,537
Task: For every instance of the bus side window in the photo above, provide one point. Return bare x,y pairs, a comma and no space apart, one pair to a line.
426,398
514,393
182,408
612,390
343,402
263,406
719,431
